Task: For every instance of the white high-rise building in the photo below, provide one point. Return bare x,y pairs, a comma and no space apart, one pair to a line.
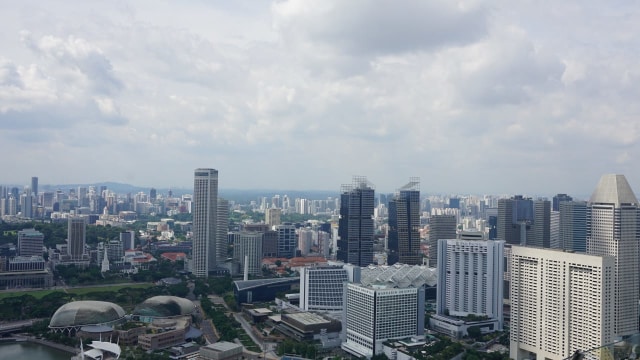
471,278
205,204
560,302
613,228
374,314
322,288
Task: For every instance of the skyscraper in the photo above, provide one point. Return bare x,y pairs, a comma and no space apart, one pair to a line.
222,231
541,224
404,225
515,220
573,226
558,199
613,228
355,227
560,302
34,189
440,227
205,206
76,237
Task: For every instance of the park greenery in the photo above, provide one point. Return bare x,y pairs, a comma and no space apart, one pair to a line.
292,347
225,324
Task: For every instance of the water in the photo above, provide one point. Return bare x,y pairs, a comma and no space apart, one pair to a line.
29,351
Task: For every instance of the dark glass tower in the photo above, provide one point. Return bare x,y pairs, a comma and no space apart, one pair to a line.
355,228
403,240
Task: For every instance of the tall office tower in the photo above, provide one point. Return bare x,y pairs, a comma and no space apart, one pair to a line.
355,227
471,278
153,194
515,220
374,314
403,238
4,210
454,203
560,302
613,228
34,189
558,199
82,196
128,240
440,227
270,244
30,242
47,199
554,230
221,231
12,205
541,224
76,237
205,206
26,204
272,216
287,240
322,288
573,226
249,248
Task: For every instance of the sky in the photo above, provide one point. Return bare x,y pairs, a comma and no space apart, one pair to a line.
534,97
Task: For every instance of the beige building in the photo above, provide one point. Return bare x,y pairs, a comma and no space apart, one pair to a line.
222,350
560,302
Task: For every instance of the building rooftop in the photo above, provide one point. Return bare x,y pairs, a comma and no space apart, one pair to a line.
307,318
613,189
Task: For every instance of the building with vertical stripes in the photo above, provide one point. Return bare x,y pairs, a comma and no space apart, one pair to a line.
560,302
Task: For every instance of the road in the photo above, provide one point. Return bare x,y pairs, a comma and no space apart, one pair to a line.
268,347
64,287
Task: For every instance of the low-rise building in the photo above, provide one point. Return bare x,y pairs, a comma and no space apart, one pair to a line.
222,350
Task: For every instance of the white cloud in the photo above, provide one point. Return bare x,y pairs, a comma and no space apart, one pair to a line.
306,93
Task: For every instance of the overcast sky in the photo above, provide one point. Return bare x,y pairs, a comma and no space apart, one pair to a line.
533,97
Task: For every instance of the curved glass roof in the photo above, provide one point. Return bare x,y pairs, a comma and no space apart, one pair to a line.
164,306
86,313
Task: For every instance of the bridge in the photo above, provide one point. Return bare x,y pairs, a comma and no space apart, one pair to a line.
10,327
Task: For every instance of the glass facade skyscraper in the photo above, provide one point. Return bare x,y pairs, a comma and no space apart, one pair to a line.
355,227
403,239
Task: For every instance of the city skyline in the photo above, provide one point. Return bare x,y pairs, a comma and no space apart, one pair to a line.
513,93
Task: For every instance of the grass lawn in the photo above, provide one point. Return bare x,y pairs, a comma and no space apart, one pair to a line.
39,294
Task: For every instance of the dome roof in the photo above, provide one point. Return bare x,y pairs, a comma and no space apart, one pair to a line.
164,306
86,313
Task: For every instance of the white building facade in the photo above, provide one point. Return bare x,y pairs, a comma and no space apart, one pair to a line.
374,314
322,288
560,302
205,204
471,280
613,228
